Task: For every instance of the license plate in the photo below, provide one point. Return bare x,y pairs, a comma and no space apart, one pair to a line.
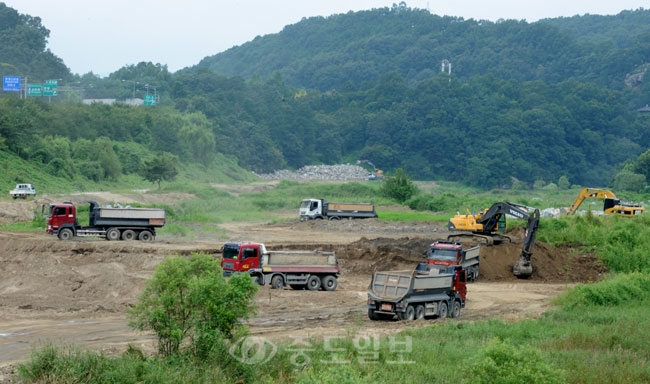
229,265
386,307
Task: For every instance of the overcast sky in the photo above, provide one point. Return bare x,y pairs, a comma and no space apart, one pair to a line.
104,35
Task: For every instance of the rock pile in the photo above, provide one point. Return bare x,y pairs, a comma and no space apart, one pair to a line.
320,172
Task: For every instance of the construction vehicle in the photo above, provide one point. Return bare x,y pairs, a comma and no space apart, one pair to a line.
449,253
23,191
110,223
611,204
377,174
429,290
488,226
313,270
523,268
320,209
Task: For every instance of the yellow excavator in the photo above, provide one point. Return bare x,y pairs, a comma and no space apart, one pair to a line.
612,205
489,225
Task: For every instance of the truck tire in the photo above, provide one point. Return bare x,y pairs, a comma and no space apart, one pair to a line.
65,234
329,283
128,235
334,218
113,234
443,309
372,315
145,236
455,309
419,312
277,282
313,283
409,314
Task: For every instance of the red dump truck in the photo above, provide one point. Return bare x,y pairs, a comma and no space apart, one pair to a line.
429,290
449,253
313,270
109,223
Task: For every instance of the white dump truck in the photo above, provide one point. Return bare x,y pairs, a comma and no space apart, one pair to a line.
321,209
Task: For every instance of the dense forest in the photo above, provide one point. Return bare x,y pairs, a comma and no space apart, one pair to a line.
515,103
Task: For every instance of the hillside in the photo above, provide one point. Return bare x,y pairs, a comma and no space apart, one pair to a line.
328,53
520,104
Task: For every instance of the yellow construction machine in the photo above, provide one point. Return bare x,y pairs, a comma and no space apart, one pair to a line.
487,226
612,205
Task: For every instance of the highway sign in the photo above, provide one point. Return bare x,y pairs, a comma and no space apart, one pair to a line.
11,83
149,100
50,88
34,89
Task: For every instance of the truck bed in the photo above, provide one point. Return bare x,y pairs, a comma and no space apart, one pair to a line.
394,285
119,217
351,207
299,258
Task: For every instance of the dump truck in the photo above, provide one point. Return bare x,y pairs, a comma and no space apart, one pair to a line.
321,209
23,191
449,253
429,290
107,222
297,269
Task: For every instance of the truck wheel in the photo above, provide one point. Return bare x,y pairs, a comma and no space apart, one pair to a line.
334,218
372,315
113,234
65,234
313,283
442,309
455,310
329,283
277,282
128,235
419,312
409,314
145,236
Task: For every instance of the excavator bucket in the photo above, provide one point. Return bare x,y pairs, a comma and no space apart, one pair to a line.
522,269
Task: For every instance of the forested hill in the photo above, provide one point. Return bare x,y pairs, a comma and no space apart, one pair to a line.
328,52
525,103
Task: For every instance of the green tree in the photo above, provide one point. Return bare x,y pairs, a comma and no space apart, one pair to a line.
196,138
160,168
399,186
563,182
188,303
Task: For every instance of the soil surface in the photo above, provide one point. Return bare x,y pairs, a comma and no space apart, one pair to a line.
76,292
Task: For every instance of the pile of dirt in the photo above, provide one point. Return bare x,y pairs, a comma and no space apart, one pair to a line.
552,265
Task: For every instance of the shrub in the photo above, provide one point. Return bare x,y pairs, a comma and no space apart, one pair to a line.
189,303
501,363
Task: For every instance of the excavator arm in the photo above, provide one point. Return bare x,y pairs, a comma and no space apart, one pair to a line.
490,218
523,268
589,193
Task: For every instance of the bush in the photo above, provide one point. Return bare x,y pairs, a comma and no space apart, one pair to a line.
399,187
501,363
189,303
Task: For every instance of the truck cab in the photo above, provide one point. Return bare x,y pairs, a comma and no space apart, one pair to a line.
449,253
241,257
61,215
311,209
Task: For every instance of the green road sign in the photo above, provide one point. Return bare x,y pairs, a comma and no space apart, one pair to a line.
34,90
50,88
149,100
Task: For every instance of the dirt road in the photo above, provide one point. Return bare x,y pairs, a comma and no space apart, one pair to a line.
76,292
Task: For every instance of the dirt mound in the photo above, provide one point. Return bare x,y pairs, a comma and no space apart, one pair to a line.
553,265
